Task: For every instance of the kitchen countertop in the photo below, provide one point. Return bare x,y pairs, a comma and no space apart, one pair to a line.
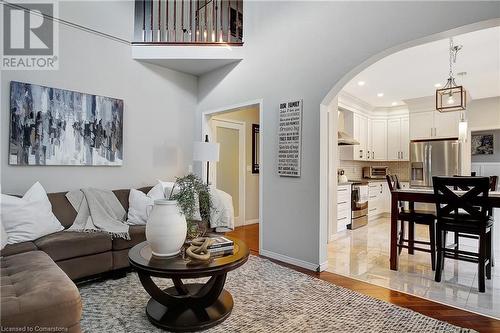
377,180
368,180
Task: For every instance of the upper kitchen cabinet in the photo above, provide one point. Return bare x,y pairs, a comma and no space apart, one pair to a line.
371,135
446,124
378,135
433,125
357,126
397,139
422,125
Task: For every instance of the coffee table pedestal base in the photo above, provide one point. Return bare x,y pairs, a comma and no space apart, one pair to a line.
181,318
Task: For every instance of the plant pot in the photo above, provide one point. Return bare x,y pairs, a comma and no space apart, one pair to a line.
166,228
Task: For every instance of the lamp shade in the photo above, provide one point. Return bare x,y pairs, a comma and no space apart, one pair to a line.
206,151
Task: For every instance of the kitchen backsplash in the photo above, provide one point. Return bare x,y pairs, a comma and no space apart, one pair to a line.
354,169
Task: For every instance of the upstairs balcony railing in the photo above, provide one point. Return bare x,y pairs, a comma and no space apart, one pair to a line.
186,22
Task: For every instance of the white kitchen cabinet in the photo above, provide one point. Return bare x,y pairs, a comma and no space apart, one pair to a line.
446,124
377,199
421,125
397,139
343,207
378,140
433,125
369,140
405,138
357,126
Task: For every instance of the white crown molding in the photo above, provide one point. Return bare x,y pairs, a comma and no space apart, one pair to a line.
421,104
354,104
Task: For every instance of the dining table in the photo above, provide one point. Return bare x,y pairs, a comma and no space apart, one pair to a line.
419,195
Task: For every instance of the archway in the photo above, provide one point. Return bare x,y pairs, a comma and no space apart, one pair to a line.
328,129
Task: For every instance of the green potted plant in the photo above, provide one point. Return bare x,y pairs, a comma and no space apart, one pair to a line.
192,195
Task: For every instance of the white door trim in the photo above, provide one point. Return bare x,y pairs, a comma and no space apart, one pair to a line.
240,127
205,116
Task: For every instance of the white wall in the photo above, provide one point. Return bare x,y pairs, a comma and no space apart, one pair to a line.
484,113
159,104
301,50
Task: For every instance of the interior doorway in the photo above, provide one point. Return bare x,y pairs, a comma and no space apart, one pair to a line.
237,130
230,169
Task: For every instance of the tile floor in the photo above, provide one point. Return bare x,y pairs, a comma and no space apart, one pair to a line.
364,254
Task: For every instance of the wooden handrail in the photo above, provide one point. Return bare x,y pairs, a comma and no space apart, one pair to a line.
188,43
211,22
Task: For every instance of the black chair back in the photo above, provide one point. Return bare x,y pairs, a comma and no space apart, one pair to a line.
393,182
493,183
472,203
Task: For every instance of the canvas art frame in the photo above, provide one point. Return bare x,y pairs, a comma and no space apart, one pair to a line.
52,126
482,144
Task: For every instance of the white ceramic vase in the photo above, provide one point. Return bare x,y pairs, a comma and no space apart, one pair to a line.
166,228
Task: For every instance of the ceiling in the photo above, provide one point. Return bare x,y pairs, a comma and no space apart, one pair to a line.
413,72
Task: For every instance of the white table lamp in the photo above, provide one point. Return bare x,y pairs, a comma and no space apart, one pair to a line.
206,152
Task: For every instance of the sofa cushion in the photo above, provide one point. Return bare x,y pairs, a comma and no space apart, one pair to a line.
66,214
11,249
70,244
37,293
62,208
122,195
137,234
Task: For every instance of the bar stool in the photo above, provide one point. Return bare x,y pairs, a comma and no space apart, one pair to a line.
412,217
493,187
467,213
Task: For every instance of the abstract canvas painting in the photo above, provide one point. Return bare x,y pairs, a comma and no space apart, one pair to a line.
50,126
482,144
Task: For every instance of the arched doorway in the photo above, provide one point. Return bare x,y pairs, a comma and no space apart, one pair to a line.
328,129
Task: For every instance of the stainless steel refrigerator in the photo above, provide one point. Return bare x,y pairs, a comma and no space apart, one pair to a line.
433,158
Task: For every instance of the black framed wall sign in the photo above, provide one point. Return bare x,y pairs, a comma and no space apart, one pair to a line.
255,147
290,139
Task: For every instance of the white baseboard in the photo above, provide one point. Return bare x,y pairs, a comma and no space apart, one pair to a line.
292,261
253,221
323,266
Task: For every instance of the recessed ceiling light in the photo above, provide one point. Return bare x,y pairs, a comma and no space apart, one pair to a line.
394,103
437,85
380,95
361,83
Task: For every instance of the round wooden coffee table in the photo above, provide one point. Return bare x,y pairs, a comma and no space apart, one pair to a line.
192,306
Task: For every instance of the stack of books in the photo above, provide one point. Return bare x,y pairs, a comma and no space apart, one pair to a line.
221,246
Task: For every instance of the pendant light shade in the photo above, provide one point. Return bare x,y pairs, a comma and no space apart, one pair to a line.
451,97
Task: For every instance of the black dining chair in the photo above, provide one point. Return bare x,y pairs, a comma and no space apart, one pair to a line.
465,213
493,187
413,217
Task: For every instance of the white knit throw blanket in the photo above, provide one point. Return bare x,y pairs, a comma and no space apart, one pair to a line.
98,210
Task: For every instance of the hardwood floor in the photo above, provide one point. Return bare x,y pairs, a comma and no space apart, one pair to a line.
250,234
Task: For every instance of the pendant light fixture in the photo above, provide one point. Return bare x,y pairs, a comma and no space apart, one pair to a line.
462,128
451,97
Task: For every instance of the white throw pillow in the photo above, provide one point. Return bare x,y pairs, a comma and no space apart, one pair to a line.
167,189
30,217
140,204
3,236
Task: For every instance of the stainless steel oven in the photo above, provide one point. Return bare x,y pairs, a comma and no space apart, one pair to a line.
359,205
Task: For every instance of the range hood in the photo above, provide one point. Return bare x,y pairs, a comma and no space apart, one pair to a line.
344,139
